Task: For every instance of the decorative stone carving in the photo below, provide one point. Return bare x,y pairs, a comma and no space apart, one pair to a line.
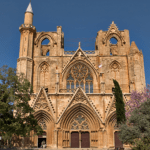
41,103
43,124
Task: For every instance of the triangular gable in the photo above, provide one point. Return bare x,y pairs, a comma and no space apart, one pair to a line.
79,55
112,107
79,97
42,102
113,29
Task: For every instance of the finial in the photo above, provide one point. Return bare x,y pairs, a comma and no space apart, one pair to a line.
79,44
112,22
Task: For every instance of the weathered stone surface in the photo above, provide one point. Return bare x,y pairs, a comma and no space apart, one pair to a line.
67,86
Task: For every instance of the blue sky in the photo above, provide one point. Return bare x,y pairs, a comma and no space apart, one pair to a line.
80,21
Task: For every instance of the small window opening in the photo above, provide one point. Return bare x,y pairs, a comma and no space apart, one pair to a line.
45,41
46,90
113,41
110,53
47,54
113,90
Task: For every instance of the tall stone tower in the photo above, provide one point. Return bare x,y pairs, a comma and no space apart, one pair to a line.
73,98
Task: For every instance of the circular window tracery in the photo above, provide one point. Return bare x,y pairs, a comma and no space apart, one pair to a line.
80,76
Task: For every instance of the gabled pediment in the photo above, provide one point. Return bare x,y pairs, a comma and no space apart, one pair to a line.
112,108
41,102
80,97
79,56
113,32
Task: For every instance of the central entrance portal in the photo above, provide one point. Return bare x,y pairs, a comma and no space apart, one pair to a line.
80,140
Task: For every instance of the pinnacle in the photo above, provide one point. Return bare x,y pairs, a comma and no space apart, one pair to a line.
29,8
133,45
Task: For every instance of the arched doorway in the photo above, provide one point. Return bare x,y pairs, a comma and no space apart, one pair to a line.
79,127
42,140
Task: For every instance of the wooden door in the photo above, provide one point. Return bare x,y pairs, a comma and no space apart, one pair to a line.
118,143
75,140
85,140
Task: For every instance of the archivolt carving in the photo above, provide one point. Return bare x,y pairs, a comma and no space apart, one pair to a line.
85,112
79,123
41,103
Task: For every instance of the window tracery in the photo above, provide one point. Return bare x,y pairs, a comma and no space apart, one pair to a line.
80,76
79,123
44,75
43,124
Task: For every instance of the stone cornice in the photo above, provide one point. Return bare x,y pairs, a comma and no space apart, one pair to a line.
24,58
29,27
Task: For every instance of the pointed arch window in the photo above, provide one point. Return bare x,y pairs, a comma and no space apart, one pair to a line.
43,124
80,76
44,75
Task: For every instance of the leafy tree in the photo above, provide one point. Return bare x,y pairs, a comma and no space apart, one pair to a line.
137,131
16,116
120,110
136,99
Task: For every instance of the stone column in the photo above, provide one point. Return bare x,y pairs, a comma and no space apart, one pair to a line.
104,138
102,83
57,81
55,139
80,139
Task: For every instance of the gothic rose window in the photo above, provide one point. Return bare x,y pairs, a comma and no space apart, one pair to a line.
80,76
43,124
79,123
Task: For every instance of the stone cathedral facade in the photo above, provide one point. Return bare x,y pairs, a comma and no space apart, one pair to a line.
73,99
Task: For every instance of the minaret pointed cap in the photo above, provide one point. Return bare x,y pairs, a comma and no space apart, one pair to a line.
29,8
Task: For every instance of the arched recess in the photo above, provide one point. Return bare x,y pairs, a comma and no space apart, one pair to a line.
117,36
115,70
111,128
43,73
42,49
93,75
114,49
43,36
46,120
84,114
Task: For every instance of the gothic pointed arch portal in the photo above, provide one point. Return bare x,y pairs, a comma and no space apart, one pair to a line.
79,123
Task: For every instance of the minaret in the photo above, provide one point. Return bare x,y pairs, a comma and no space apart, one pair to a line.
27,30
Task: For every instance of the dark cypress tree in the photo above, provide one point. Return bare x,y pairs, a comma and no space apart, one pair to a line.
120,110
